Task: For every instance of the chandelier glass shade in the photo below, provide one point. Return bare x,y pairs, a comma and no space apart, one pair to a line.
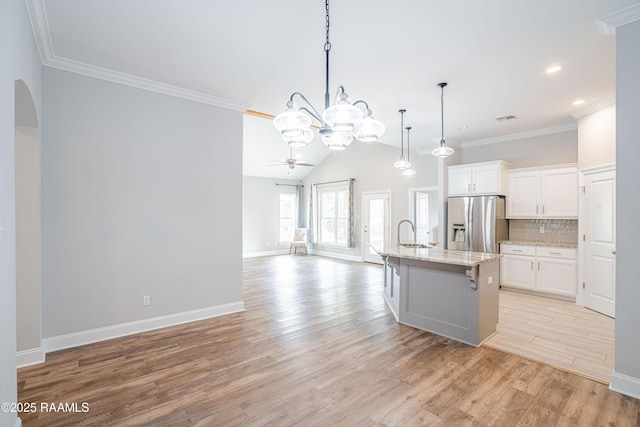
340,123
442,151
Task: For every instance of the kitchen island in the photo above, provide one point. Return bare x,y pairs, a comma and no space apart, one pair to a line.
450,293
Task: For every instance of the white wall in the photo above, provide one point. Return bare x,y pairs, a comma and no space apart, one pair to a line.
261,215
542,150
141,195
626,375
597,138
371,164
28,222
19,61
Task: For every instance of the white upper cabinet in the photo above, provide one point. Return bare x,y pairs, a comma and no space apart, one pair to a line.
476,179
542,193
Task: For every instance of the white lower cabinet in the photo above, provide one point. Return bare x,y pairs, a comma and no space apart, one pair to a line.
539,269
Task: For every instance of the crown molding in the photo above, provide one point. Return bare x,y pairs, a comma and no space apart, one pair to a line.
521,135
40,26
607,24
594,106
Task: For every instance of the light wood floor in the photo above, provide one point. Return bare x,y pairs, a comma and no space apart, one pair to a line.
556,332
316,346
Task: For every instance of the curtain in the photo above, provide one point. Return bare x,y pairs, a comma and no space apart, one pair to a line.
352,233
299,195
311,233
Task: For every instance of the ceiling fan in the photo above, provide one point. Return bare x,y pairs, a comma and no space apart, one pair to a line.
292,162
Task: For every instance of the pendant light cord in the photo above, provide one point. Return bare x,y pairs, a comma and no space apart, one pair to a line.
442,85
408,128
402,133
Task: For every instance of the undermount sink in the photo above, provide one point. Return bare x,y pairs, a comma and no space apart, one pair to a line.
416,245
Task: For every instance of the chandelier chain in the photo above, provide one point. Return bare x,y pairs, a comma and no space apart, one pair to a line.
327,45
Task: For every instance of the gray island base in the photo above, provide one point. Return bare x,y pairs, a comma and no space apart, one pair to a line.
450,293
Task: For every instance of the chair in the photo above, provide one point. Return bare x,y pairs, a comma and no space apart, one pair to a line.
299,240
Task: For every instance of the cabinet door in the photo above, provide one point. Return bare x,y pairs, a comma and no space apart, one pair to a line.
557,276
486,180
459,181
522,195
560,193
518,272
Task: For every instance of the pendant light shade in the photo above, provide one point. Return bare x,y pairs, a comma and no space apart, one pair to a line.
369,129
442,151
300,141
292,123
402,163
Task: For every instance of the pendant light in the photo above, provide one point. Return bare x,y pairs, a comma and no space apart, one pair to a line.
340,122
442,151
408,171
402,163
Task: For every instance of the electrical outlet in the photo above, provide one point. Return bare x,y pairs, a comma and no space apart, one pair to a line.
542,229
490,280
146,300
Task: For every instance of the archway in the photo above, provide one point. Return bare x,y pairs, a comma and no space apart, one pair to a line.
28,228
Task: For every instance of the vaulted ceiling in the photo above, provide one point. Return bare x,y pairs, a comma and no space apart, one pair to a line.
253,54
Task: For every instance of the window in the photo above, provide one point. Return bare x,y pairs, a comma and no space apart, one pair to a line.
287,216
333,215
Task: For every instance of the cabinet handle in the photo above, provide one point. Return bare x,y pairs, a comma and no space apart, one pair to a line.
538,265
474,186
532,265
555,253
543,209
469,187
613,252
536,208
516,250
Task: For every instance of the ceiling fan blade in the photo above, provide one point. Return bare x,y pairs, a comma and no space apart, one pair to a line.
304,164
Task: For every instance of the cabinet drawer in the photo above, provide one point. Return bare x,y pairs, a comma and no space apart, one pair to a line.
518,249
553,252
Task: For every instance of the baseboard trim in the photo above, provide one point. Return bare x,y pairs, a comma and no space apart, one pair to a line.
336,255
265,253
76,339
29,357
625,384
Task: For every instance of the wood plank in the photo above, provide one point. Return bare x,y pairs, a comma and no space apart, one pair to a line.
315,346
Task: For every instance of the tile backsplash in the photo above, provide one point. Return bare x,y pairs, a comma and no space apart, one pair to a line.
555,230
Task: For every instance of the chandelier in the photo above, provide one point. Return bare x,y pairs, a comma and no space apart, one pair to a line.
340,123
442,151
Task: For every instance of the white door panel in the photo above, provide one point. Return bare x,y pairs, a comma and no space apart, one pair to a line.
375,225
599,242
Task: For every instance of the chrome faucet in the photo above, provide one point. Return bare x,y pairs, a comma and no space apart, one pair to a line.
413,228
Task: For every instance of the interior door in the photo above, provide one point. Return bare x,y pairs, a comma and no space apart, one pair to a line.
375,230
600,242
421,217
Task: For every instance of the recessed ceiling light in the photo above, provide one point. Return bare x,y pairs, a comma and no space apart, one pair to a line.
553,69
578,102
463,127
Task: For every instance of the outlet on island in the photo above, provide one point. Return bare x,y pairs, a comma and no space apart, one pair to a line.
146,300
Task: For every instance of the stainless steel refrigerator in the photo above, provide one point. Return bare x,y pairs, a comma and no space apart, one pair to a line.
476,223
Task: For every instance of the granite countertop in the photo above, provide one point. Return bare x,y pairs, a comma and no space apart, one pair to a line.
443,256
541,243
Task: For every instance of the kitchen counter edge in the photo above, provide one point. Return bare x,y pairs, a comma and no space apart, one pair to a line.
443,256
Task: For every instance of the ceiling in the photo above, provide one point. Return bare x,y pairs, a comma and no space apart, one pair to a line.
253,54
